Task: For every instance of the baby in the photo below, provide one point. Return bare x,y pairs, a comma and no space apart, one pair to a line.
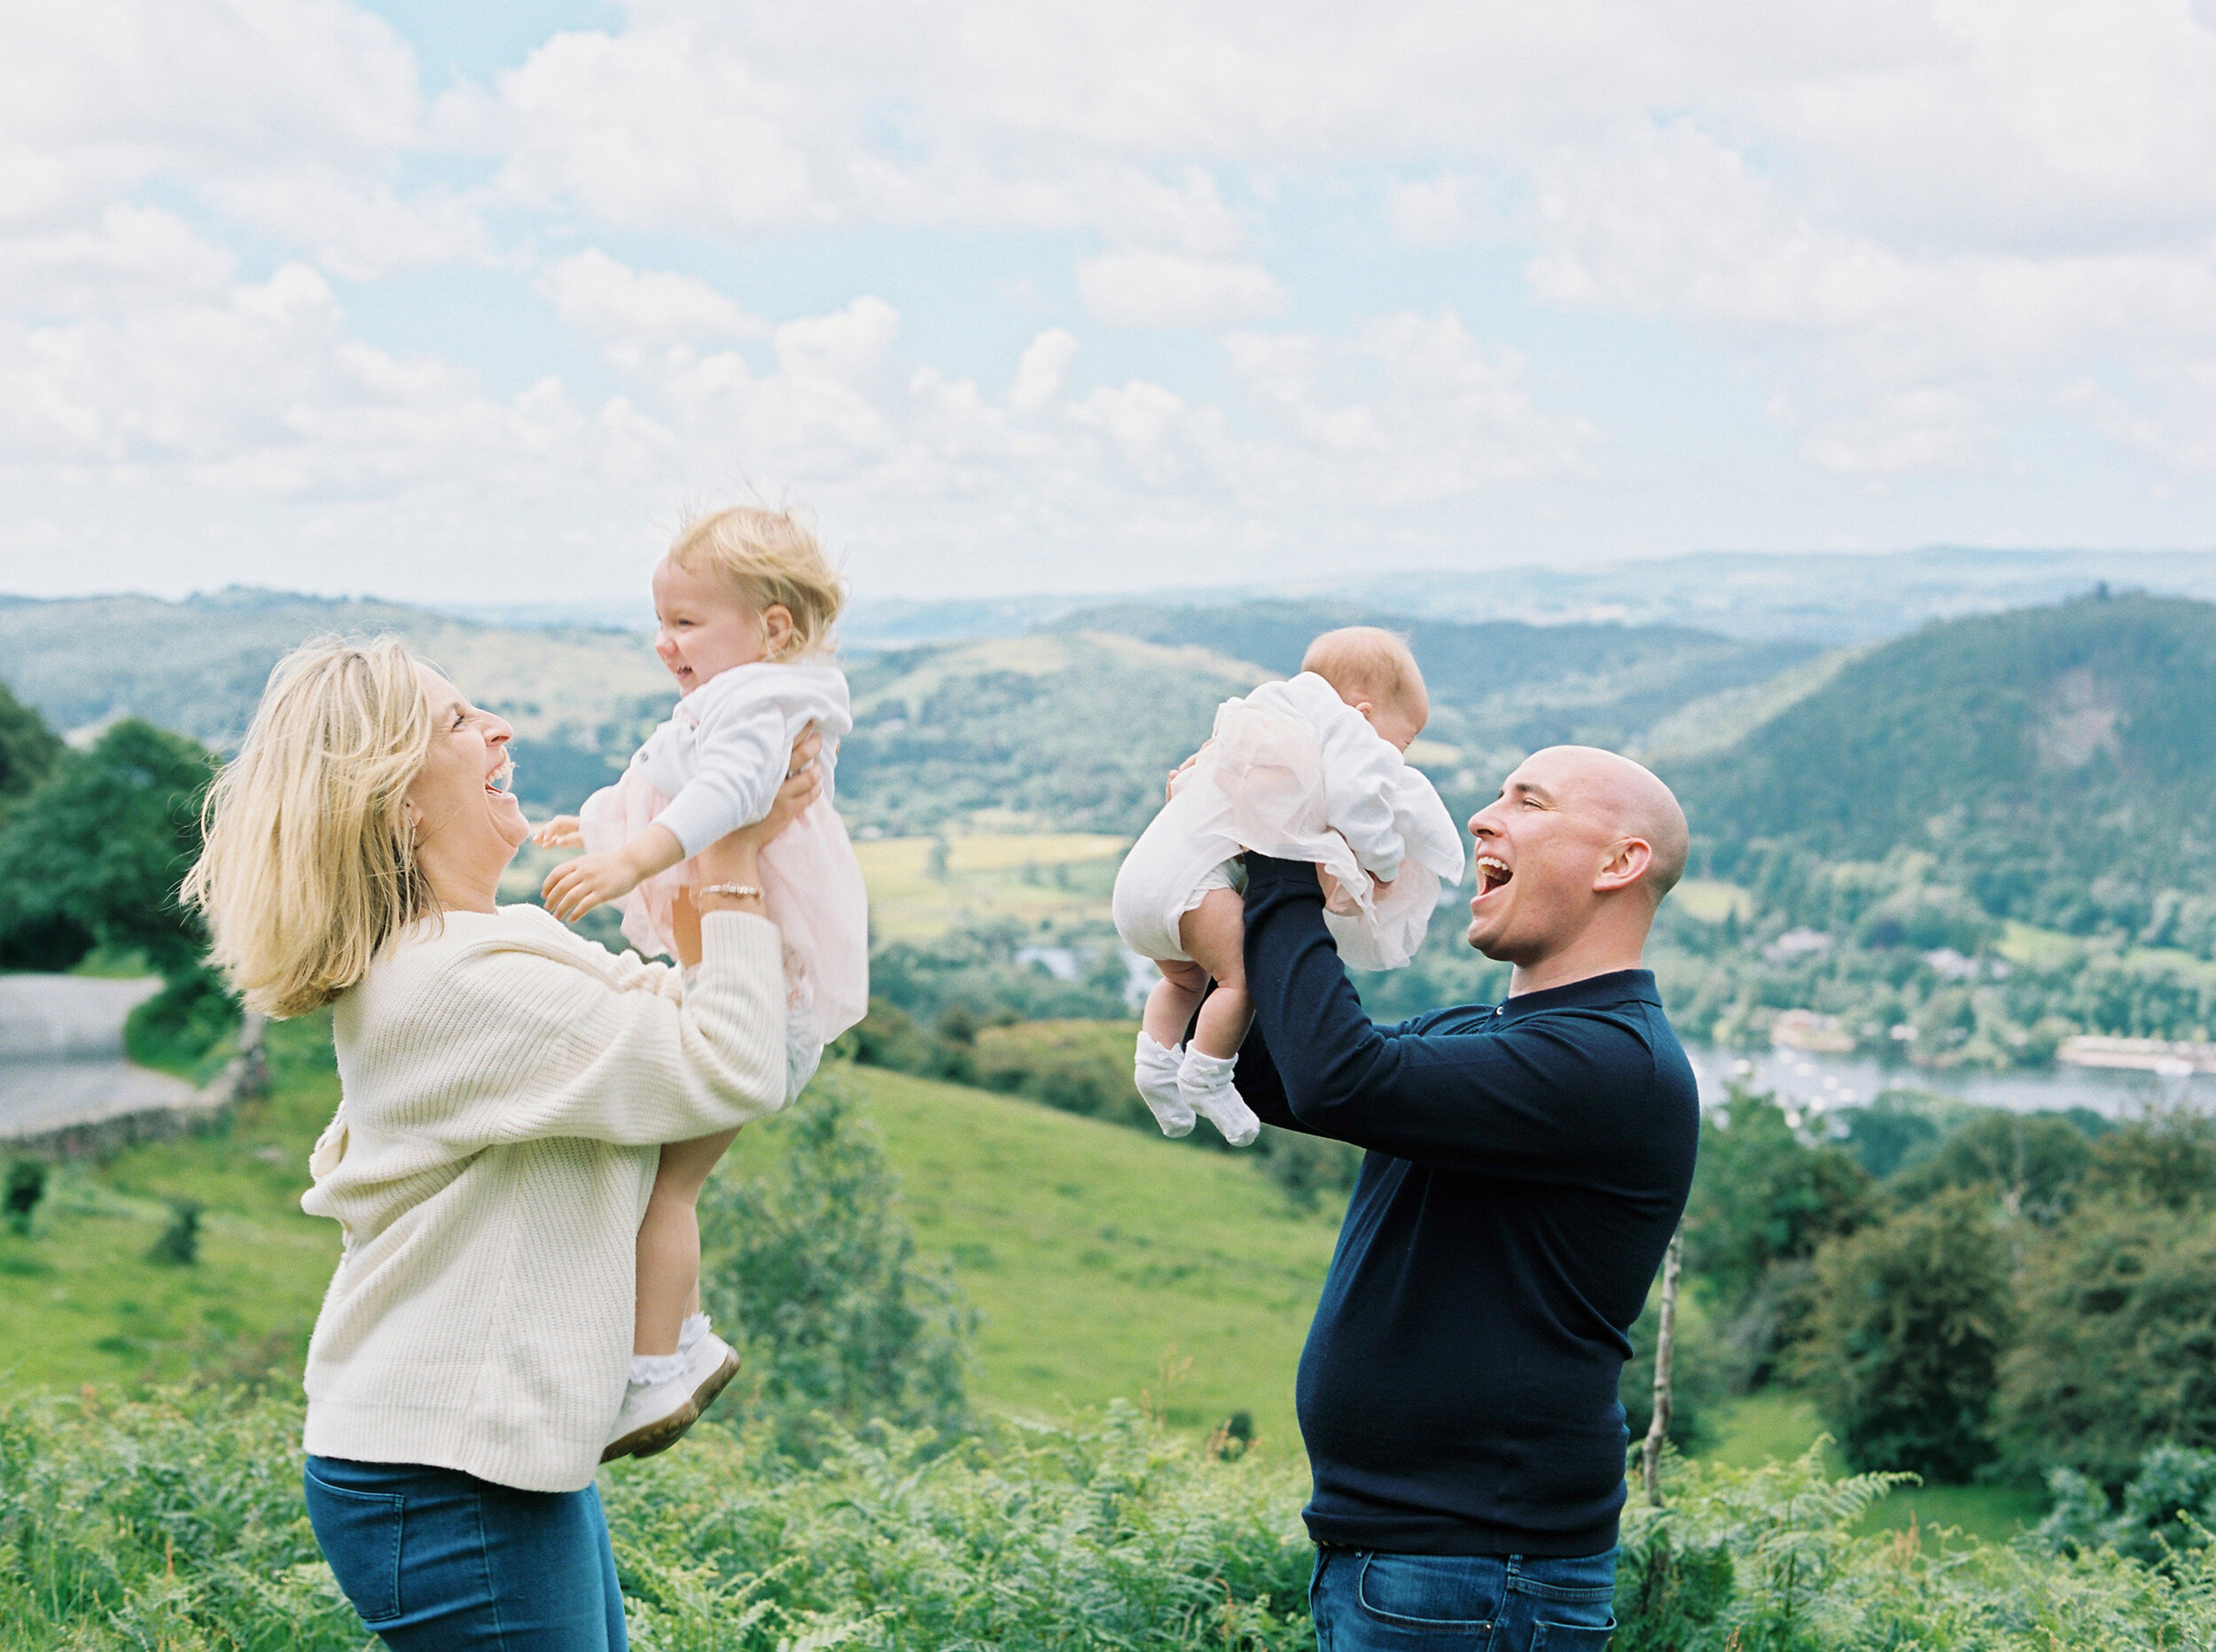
744,601
1310,769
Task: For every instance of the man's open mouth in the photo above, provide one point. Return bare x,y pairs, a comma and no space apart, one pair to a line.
1492,873
502,779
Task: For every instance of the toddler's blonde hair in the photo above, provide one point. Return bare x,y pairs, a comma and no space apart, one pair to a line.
309,862
774,558
1369,661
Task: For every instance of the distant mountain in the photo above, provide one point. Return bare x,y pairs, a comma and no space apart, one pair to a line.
2057,763
577,698
1499,687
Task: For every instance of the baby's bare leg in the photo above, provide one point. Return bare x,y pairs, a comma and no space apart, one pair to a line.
670,1242
1170,1005
1214,932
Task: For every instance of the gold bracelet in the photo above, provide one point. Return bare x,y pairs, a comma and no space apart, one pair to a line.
737,891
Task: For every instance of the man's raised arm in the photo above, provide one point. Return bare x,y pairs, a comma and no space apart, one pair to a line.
1491,1103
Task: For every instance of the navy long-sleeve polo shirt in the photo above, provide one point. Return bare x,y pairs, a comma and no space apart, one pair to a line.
1526,1166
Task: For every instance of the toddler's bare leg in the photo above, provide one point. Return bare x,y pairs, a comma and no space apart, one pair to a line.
1214,932
1170,1005
670,1242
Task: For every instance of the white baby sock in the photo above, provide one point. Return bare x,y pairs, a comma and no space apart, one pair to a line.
648,1369
1155,1073
1205,1082
693,1331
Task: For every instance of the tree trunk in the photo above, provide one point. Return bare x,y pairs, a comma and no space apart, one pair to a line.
1665,1341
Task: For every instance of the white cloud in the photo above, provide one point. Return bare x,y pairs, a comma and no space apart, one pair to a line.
1157,289
593,292
1044,370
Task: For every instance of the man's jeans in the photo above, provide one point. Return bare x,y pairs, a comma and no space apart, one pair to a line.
1370,1603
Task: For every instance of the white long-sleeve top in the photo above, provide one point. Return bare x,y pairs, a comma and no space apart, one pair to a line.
506,1086
1372,796
723,752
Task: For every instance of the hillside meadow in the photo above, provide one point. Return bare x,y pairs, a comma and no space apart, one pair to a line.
1104,1264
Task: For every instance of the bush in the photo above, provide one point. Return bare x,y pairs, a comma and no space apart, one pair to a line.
813,1270
1911,1320
2119,1349
1699,1377
2165,1156
180,1024
2168,1508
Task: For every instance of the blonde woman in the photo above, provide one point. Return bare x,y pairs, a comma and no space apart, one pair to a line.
505,1088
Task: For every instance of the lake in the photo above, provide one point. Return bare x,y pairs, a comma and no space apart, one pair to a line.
1810,1083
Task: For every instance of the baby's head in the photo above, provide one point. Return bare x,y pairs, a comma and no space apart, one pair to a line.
1373,671
740,586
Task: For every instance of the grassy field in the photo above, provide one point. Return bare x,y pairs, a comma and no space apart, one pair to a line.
921,888
1106,1263
1775,1424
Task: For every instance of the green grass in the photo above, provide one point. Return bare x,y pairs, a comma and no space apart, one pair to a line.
1779,1425
81,1303
1106,1264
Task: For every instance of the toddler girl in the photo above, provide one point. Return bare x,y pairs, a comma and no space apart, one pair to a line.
744,601
1310,769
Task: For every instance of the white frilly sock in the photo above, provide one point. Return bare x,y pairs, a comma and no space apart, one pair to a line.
693,1331
648,1369
1205,1082
1155,1073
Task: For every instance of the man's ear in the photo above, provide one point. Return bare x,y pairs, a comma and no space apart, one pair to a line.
1624,866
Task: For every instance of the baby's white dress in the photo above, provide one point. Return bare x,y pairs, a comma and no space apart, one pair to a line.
1296,772
715,765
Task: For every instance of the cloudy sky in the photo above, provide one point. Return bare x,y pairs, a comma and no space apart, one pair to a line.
464,301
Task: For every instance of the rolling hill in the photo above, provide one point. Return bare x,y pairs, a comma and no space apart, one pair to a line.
2057,763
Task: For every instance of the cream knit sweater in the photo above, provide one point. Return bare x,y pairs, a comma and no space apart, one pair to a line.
504,1084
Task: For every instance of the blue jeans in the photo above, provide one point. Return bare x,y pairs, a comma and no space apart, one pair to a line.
439,1561
1370,1602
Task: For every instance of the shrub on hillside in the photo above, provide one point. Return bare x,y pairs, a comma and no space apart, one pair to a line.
2118,1352
1912,1316
812,1269
2168,1508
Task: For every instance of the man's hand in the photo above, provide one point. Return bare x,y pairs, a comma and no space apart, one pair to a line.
575,887
564,831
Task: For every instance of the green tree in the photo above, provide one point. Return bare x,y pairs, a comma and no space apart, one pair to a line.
1763,1196
2166,1158
2118,1348
1911,1319
812,1268
2030,1163
99,846
27,746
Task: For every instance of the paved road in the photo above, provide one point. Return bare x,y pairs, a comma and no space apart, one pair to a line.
61,1054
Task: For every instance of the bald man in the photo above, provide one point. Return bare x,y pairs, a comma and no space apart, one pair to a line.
1526,1164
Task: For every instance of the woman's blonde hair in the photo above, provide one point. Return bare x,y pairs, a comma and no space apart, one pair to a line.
774,558
309,864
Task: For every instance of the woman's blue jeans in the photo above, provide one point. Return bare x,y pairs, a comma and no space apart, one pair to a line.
1370,1603
434,1559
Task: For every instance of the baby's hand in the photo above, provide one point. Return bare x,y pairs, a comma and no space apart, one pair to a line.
575,887
564,831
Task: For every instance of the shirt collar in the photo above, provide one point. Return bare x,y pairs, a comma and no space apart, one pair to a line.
1594,992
